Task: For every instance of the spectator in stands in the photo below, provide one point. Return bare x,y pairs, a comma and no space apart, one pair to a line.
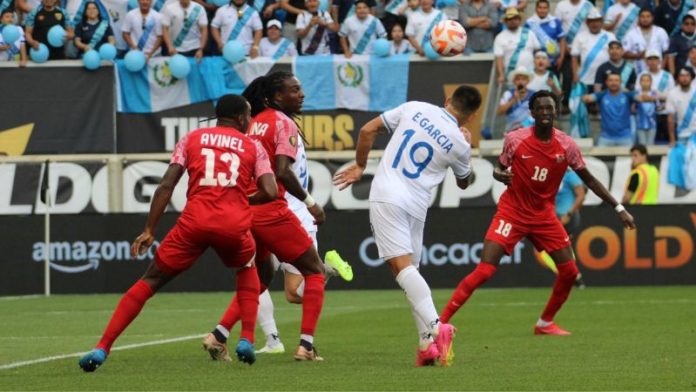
239,22
680,44
514,46
268,9
294,9
12,51
644,181
644,38
646,111
515,101
142,29
572,14
360,30
548,30
669,14
662,83
342,9
399,43
480,19
397,12
616,64
421,22
40,20
681,121
542,77
621,17
589,50
615,108
184,28
19,7
274,45
94,30
504,5
313,28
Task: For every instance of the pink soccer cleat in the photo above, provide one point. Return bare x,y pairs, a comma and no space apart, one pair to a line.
444,344
551,329
428,356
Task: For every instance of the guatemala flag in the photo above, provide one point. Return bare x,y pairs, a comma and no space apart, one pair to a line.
154,89
366,83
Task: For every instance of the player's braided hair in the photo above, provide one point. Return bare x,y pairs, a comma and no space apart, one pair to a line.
261,91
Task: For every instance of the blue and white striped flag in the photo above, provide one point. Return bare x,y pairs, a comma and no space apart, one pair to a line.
366,83
155,89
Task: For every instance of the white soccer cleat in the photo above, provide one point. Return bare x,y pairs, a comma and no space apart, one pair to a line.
275,349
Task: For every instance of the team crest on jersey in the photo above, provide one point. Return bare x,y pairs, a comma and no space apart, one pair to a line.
59,16
293,140
162,75
40,17
350,75
560,158
115,15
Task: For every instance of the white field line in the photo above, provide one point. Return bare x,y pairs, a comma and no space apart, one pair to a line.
20,297
119,348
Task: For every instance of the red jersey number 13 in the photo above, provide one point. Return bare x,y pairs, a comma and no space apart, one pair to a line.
222,179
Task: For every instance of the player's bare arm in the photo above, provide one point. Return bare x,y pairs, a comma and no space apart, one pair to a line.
604,194
502,174
268,190
366,138
292,184
160,200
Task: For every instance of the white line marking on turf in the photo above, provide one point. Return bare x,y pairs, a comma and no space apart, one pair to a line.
119,348
19,297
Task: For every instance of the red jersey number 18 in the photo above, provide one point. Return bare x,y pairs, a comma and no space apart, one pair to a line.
221,179
540,173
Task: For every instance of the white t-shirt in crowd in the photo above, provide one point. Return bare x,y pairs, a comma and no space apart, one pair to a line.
269,49
566,12
582,46
13,51
425,141
173,18
540,82
506,42
419,21
354,29
226,19
635,41
134,22
403,47
678,103
656,80
624,11
303,20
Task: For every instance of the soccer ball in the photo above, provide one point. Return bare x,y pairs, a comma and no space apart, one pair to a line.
448,38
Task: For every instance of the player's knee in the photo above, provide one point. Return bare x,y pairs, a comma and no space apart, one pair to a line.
292,297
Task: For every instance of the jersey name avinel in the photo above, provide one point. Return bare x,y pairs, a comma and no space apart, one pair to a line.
222,141
440,138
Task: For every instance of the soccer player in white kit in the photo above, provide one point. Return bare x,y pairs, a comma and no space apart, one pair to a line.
294,282
425,141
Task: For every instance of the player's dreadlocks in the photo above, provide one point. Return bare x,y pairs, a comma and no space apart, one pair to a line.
261,91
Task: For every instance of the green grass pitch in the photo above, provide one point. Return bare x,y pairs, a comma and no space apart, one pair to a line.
623,339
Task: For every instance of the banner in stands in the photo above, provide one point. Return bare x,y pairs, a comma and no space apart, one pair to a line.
57,110
90,253
332,130
89,187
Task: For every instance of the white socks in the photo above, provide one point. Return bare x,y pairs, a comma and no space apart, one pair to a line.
265,315
224,331
541,323
424,336
419,296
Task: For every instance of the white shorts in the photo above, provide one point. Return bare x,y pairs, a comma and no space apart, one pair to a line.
397,233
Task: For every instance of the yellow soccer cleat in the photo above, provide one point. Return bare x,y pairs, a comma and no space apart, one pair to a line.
334,260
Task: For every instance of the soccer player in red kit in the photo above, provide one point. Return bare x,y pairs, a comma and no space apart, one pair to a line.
538,157
222,165
274,99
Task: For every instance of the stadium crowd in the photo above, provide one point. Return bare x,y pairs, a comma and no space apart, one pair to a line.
632,57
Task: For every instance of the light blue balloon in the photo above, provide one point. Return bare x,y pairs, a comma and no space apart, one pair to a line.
91,60
430,53
323,5
381,47
233,52
134,61
39,56
445,3
56,36
107,52
179,66
133,4
218,3
10,34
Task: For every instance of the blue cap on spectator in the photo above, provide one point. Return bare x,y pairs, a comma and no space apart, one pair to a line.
274,23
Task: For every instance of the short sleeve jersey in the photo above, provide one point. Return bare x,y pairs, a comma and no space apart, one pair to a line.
175,18
226,19
538,169
278,135
425,141
222,164
137,25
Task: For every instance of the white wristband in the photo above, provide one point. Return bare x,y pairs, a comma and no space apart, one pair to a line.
309,201
619,208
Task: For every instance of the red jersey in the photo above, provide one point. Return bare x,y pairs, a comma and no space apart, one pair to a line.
538,169
222,164
278,134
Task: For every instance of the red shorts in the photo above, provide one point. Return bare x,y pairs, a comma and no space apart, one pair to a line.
547,234
183,245
277,230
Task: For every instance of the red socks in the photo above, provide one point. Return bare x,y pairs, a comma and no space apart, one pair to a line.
232,314
312,302
567,272
127,310
248,300
466,287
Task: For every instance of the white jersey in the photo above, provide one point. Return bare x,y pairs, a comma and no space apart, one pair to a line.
566,12
173,18
425,141
135,24
354,29
623,10
582,47
505,45
297,206
678,103
303,20
636,41
419,22
269,49
226,19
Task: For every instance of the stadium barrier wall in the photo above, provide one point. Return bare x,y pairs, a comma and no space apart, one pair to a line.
90,252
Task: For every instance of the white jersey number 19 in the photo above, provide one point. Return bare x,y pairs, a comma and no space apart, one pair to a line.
420,165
